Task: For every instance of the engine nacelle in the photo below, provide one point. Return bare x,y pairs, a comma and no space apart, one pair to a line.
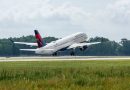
83,48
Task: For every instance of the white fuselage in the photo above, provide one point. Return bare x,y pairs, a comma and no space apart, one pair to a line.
62,43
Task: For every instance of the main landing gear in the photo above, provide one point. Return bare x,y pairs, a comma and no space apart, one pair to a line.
54,54
72,53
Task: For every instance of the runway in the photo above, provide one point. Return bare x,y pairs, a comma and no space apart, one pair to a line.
63,58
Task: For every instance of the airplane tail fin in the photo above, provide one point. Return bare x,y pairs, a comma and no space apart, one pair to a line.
39,39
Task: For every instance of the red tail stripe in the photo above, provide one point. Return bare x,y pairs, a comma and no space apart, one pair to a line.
39,39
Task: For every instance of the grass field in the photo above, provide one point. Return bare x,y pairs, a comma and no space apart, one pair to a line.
65,75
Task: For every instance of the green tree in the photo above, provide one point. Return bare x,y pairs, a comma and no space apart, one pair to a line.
124,49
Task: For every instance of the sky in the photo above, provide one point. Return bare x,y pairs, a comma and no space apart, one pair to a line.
59,18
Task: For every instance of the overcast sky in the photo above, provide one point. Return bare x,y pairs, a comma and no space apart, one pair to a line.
107,18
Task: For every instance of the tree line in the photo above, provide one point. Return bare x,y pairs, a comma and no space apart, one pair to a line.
106,48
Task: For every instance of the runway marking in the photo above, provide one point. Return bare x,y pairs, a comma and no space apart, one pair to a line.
65,58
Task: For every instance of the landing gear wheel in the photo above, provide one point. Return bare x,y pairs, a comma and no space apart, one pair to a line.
55,54
72,53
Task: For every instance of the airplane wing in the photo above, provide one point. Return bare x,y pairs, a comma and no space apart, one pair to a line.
76,45
25,43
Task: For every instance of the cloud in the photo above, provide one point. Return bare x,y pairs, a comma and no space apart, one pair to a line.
21,16
21,11
37,11
120,11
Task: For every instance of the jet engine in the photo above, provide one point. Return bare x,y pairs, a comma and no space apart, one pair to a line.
83,48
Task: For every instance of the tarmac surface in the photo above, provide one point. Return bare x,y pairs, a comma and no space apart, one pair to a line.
63,58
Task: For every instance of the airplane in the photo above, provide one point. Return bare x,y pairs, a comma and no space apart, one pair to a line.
77,40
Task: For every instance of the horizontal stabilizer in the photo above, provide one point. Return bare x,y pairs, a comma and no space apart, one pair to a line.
25,43
32,50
